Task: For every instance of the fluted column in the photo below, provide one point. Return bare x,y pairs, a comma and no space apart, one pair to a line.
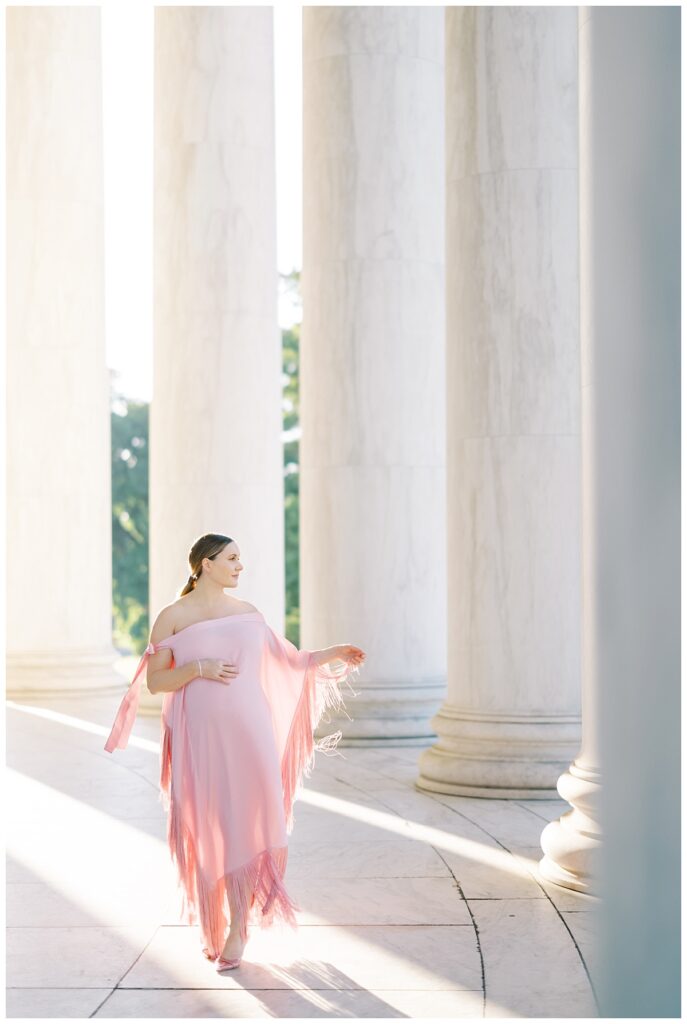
372,460
511,721
571,844
59,519
216,453
630,312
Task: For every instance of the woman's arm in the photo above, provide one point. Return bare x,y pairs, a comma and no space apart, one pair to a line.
167,680
161,677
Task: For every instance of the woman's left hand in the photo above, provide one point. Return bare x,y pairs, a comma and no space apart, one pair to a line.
350,654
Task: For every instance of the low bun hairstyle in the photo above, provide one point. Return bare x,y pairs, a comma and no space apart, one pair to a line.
207,546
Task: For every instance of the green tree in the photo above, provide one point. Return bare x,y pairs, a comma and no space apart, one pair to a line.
129,430
290,284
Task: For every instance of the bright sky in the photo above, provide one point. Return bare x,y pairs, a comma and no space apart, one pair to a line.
128,119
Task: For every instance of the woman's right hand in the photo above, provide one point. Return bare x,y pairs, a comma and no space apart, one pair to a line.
221,671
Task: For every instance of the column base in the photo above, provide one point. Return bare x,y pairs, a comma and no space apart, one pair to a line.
382,715
63,673
487,792
150,704
500,756
572,844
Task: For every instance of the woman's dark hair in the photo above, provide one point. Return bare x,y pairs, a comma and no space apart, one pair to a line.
207,546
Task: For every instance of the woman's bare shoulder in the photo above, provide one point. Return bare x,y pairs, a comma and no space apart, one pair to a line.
164,624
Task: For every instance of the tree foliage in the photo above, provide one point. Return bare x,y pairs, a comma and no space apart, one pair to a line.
129,427
291,427
291,482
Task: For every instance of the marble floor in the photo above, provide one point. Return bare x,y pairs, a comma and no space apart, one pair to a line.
412,904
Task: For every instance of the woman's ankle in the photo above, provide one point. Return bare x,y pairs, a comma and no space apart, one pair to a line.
235,939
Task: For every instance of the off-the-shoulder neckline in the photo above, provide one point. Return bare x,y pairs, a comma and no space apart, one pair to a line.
204,622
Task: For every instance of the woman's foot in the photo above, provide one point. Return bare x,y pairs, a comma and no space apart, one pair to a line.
230,957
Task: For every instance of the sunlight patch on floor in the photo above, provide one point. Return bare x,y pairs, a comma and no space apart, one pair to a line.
89,855
151,746
408,829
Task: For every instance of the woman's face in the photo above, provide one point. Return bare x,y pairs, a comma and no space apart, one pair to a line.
226,566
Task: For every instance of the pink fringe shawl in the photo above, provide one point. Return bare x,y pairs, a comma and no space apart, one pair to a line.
256,889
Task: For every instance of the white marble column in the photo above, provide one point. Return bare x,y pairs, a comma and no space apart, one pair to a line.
571,844
630,211
59,527
372,462
511,721
216,452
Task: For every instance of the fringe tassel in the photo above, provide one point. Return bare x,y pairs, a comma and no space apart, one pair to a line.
165,765
255,891
320,691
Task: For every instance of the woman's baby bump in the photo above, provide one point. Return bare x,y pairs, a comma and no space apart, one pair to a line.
225,666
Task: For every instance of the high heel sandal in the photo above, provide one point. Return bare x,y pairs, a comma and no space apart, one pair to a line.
227,965
222,964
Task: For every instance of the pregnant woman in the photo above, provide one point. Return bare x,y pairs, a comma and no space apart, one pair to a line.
240,707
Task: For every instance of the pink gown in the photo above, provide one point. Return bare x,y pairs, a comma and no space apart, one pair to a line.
232,759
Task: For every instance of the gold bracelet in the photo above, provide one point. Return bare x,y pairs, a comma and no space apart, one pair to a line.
200,669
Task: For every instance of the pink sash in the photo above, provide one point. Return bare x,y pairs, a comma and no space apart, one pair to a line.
126,715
